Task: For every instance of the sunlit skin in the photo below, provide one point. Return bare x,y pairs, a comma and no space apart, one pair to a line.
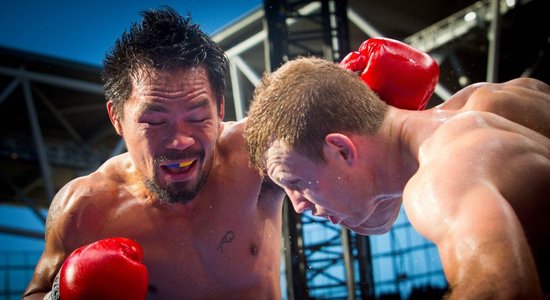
473,175
311,186
221,241
172,126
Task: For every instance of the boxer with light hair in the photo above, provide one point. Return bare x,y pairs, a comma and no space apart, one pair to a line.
473,173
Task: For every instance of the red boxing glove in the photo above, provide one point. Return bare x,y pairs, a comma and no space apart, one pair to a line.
401,75
107,269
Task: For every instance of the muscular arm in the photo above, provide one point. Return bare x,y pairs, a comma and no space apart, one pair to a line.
484,252
481,242
461,198
54,251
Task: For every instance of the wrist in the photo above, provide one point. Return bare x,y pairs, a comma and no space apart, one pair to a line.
54,293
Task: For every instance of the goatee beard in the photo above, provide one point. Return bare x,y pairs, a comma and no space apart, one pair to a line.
176,192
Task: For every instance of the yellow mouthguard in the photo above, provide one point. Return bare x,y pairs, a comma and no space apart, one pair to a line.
185,164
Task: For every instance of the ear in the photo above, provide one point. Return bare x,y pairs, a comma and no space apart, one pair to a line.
114,118
221,109
338,145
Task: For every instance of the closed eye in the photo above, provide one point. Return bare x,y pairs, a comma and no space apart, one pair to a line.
199,111
291,184
152,122
198,120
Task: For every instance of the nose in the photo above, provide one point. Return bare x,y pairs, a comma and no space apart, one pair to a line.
299,202
180,139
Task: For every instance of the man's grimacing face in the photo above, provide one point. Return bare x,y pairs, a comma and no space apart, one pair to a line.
171,124
326,190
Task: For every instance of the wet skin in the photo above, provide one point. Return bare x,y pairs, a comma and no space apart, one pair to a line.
474,174
223,241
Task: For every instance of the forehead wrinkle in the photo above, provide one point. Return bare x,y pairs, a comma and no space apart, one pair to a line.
274,162
164,94
175,92
279,159
180,80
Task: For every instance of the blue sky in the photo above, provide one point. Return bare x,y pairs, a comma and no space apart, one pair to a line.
84,30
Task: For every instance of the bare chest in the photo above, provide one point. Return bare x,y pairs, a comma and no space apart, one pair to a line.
222,246
212,257
218,258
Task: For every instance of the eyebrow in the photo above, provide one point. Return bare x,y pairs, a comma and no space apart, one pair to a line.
155,107
278,182
152,107
199,104
283,180
289,182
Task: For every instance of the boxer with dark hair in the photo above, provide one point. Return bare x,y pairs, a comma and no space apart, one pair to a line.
182,214
473,174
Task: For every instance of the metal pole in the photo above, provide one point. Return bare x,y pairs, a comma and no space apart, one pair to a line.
364,256
38,141
494,41
345,236
295,259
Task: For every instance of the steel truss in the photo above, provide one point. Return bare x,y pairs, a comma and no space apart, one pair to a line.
37,160
310,265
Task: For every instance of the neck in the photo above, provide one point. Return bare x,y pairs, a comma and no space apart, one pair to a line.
397,146
408,131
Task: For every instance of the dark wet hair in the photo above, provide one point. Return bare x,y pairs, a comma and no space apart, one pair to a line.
163,40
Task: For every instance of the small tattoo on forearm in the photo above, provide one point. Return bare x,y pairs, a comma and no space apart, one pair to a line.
226,239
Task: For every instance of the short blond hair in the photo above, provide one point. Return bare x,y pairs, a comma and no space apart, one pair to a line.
302,102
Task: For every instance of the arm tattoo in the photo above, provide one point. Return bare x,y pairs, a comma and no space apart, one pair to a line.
226,239
53,212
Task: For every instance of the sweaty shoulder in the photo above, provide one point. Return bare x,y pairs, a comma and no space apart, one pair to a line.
469,152
231,142
83,195
525,101
107,179
233,152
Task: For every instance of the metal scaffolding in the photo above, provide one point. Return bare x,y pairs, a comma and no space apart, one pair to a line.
54,125
324,267
45,137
